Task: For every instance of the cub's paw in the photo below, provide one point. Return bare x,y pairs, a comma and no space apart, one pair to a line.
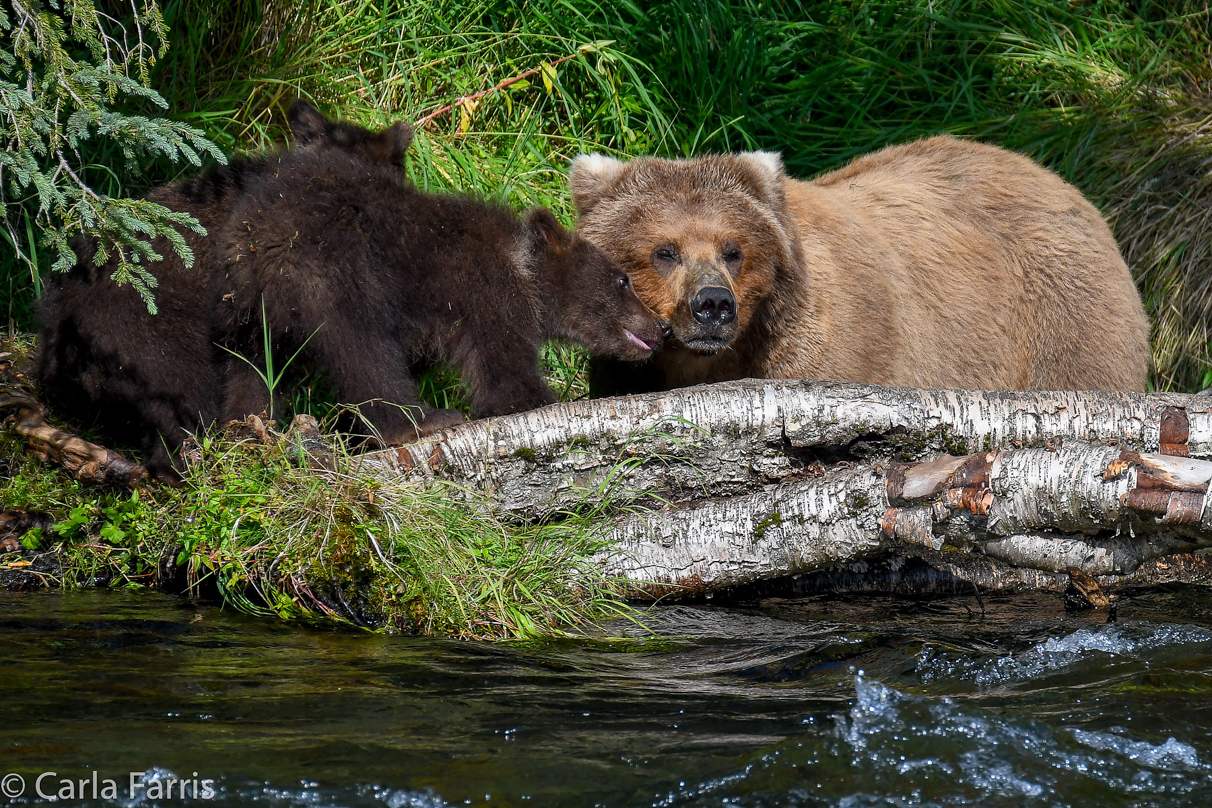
427,422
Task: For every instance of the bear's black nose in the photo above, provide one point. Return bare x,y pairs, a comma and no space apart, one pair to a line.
714,306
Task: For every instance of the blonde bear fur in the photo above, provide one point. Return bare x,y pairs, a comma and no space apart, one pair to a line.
941,263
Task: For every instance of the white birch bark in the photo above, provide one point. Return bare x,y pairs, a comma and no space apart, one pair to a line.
732,438
1039,509
763,478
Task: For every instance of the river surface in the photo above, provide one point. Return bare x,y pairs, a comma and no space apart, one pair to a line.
854,701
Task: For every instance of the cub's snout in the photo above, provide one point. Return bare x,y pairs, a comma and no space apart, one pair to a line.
643,331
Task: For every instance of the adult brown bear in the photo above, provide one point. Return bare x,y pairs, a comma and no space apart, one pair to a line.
941,263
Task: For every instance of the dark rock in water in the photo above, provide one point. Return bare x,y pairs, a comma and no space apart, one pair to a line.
1084,592
35,571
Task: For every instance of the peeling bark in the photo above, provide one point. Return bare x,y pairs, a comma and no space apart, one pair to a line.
1046,510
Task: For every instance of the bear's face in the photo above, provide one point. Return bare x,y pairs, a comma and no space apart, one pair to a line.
313,131
703,240
589,296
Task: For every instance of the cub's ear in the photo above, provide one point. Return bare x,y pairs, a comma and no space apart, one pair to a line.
592,176
545,232
399,138
767,173
306,123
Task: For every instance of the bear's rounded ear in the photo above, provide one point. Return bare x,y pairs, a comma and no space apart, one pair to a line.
767,170
306,122
399,138
545,232
591,177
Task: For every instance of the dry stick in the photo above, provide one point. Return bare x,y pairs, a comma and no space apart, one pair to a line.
422,121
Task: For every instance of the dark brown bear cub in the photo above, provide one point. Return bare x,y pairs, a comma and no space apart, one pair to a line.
362,272
368,277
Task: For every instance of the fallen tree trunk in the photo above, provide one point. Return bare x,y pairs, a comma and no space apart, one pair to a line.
720,486
731,438
1096,508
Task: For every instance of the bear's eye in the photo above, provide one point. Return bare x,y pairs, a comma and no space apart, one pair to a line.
665,255
623,281
732,254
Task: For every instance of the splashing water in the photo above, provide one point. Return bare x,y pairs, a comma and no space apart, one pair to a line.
1056,654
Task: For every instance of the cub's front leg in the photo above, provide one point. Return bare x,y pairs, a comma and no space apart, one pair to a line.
502,370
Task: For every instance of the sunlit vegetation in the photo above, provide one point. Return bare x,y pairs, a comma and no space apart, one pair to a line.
1115,96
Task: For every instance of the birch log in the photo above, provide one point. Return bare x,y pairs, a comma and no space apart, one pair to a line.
1097,508
731,438
724,485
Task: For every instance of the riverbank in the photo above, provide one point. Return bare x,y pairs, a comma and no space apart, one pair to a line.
525,525
259,524
268,534
256,526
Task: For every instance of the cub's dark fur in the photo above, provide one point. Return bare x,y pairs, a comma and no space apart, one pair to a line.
364,273
153,379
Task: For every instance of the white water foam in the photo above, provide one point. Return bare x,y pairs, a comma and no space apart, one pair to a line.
982,753
878,733
1173,755
1054,654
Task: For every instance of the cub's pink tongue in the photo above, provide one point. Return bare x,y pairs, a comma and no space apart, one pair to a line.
639,342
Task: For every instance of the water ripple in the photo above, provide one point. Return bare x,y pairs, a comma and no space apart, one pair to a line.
983,755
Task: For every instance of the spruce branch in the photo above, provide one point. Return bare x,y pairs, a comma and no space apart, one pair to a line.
68,103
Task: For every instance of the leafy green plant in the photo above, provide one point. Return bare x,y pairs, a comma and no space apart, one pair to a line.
33,539
79,517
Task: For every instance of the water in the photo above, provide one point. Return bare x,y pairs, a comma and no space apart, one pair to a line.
850,702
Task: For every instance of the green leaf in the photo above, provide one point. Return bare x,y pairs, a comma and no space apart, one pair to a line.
32,539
